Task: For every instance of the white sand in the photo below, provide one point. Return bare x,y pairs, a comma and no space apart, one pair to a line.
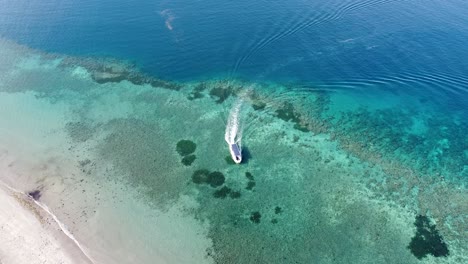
29,235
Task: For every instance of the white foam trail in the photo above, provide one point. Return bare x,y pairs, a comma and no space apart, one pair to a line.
62,226
233,134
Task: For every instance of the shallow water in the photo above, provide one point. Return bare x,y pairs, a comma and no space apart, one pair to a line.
354,120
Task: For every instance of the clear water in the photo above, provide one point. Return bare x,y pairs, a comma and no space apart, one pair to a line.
368,93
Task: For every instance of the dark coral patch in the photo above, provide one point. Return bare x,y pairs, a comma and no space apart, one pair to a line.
287,112
216,179
186,147
200,176
197,92
255,217
427,240
204,176
278,210
188,160
157,83
222,193
301,127
220,94
250,185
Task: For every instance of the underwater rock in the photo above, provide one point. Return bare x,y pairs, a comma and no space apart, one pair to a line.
255,217
222,193
427,240
188,160
186,147
36,194
249,176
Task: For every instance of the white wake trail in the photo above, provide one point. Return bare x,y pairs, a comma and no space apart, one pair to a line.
233,134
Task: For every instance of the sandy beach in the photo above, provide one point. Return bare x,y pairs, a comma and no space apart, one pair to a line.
30,235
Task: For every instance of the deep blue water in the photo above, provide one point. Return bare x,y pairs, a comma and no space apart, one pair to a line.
418,46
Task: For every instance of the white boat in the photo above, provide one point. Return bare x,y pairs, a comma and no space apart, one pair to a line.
236,153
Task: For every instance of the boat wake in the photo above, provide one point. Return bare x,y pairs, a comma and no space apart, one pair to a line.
233,133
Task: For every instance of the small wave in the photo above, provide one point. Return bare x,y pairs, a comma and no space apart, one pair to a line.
300,23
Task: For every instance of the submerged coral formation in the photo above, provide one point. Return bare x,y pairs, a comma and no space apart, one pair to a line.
222,193
114,71
255,217
185,147
221,93
251,183
204,176
427,240
188,160
200,176
216,179
197,92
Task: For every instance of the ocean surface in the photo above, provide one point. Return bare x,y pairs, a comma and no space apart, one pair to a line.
353,116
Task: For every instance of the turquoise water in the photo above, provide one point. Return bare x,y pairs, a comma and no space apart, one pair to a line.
354,122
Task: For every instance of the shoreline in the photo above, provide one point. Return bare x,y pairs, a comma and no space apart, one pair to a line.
34,234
